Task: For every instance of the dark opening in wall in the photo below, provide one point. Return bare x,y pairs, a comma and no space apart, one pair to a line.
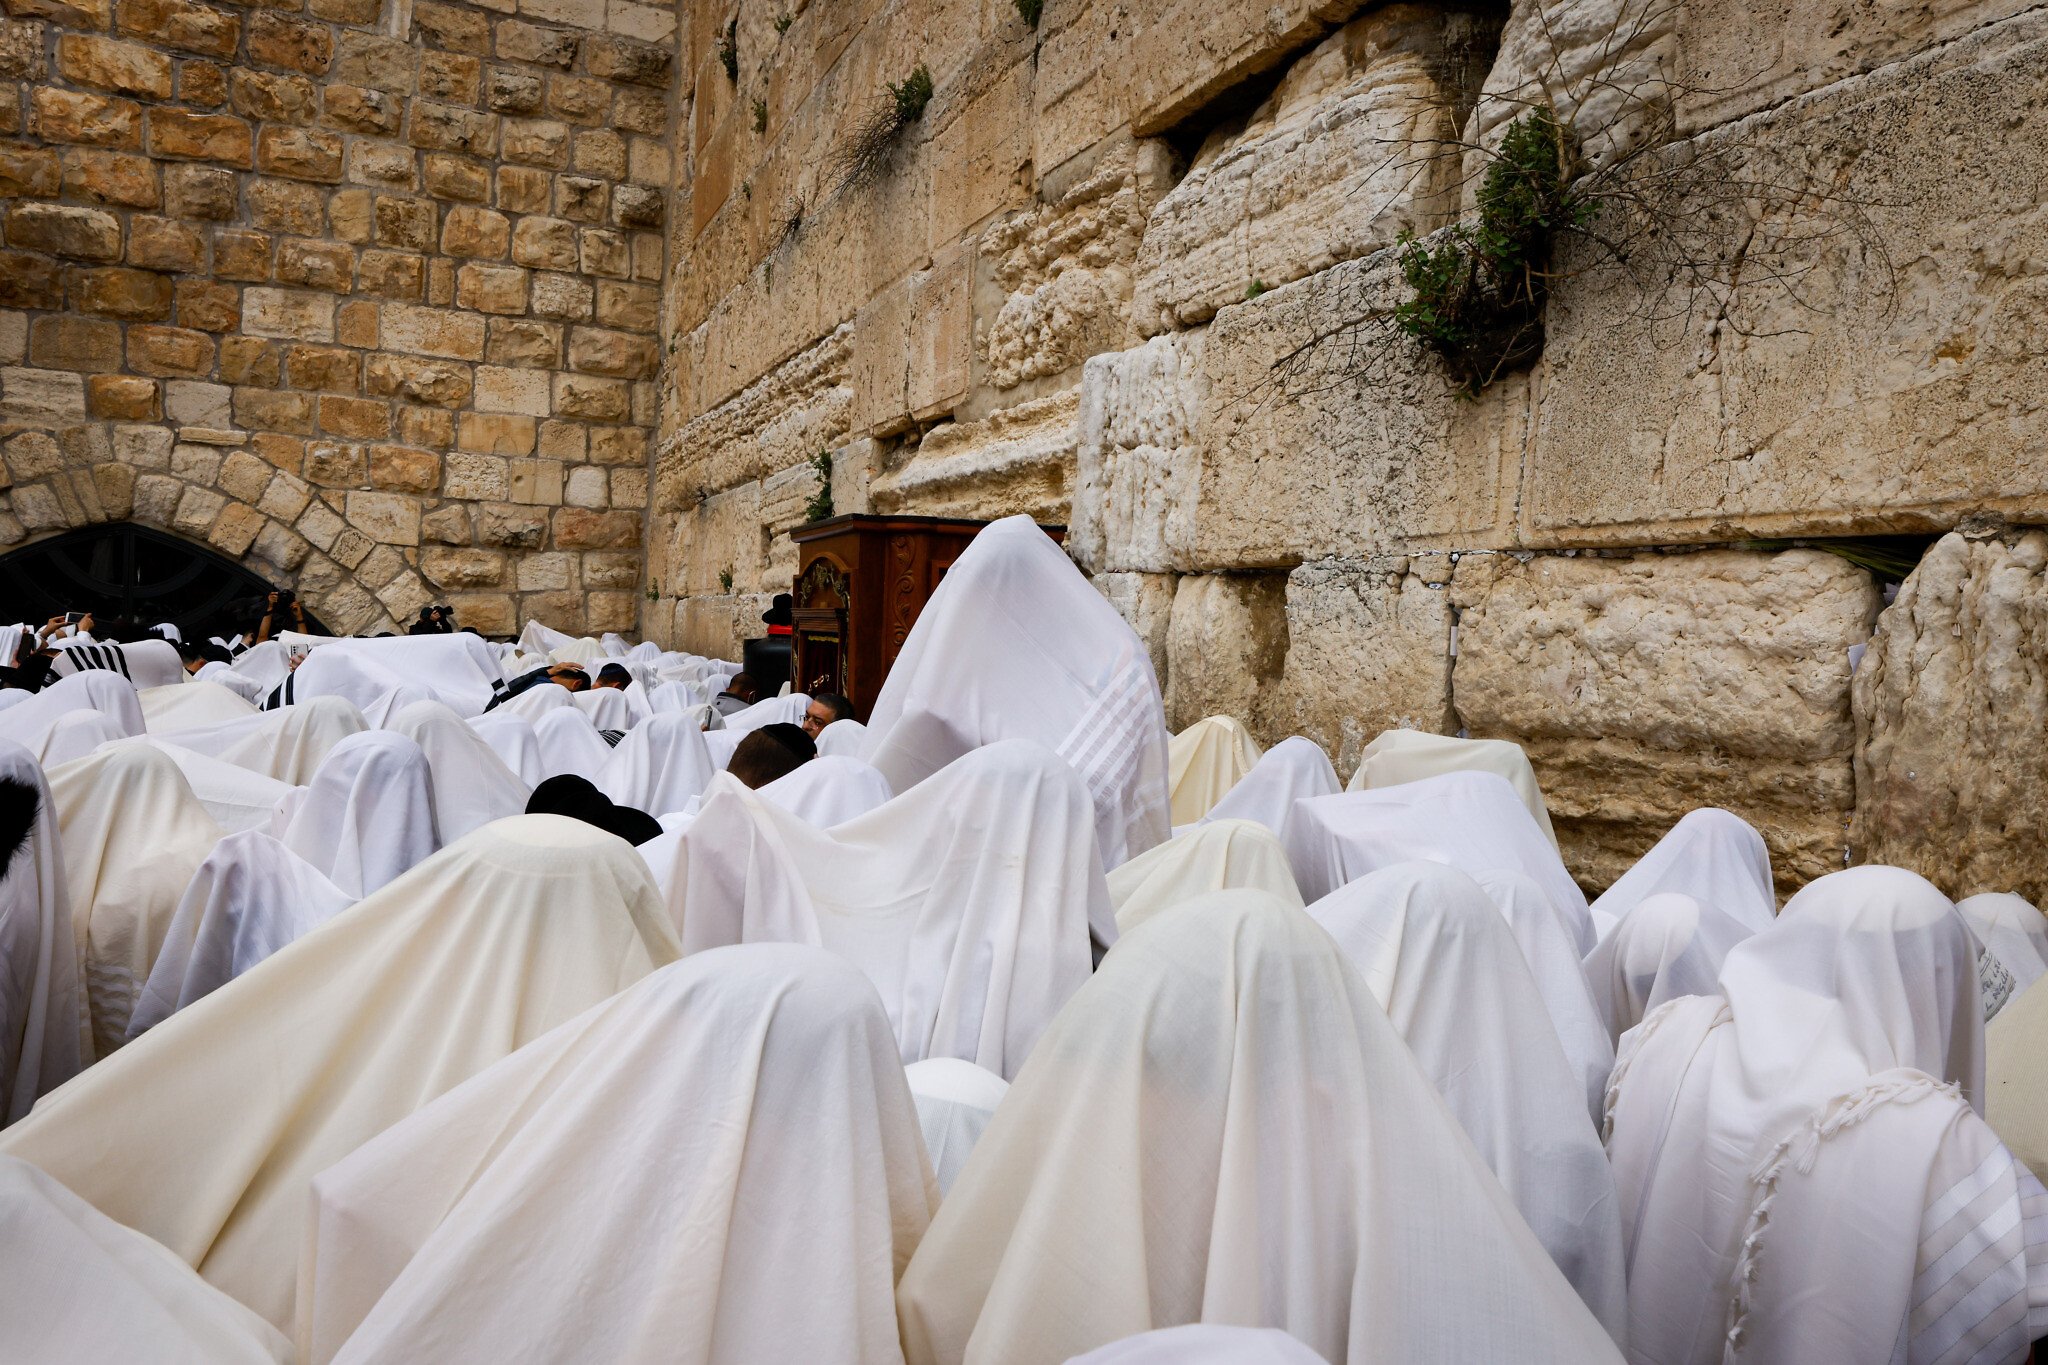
128,571
1888,558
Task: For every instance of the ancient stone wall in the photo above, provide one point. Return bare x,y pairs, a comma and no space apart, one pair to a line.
1094,279
363,293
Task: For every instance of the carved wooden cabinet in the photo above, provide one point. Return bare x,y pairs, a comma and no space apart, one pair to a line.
861,582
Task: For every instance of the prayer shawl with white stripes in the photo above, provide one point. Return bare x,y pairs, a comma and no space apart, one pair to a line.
1802,1176
1016,644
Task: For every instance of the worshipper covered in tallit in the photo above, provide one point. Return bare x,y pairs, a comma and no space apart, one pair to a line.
472,785
570,745
457,669
251,897
1223,1126
1203,762
79,1288
234,796
191,705
1710,855
286,744
968,900
1547,945
2014,935
718,1165
133,836
42,1000
1224,855
955,1101
33,722
1397,756
843,739
1294,768
512,739
828,791
659,766
1667,946
1802,1174
1203,1343
367,815
1016,644
2016,1076
1441,962
769,754
1472,821
205,1133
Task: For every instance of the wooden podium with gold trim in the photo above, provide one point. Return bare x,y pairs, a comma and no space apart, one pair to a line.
861,582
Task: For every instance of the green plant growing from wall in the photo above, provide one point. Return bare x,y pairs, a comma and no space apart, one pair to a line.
783,21
1254,289
654,591
820,505
1584,171
725,579
863,158
760,116
729,50
1030,11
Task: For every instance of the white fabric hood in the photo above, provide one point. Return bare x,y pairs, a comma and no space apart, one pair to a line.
659,767
1221,855
1203,762
1397,756
1710,855
368,814
42,995
1294,768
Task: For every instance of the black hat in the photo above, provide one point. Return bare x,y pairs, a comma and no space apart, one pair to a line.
579,799
778,613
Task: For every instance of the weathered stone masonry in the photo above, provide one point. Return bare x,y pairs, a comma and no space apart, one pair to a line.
362,293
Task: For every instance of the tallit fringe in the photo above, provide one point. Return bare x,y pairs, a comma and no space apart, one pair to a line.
1801,1149
1631,1045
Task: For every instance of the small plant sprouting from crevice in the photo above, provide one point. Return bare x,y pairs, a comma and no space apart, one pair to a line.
1479,289
725,579
760,116
729,50
820,505
654,591
1030,11
790,221
863,158
783,21
1254,289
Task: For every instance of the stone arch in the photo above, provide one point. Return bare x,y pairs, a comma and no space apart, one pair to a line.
126,568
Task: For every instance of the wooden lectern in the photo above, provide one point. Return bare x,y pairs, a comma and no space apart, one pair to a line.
861,582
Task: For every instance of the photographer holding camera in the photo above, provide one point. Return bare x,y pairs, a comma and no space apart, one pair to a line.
433,621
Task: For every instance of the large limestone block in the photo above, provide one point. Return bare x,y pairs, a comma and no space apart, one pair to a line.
1346,155
1137,468
1861,409
1313,449
1952,720
1145,600
1020,460
801,407
1368,650
1604,66
1226,646
1645,686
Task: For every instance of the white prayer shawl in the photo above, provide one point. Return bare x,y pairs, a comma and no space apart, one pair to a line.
2016,1075
249,689
846,738
968,900
472,785
1547,946
459,670
251,897
77,734
1472,821
13,696
583,653
720,743
1294,768
639,706
658,767
1203,1343
955,1101
512,739
1667,946
828,791
2012,930
1440,960
1016,644
77,1287
206,1132
674,697
42,1000
145,663
605,708
286,744
540,639
787,710
235,797
133,836
191,705
30,723
368,814
537,700
1861,997
385,706
1224,1127
569,743
1224,855
1710,855
731,1140
1203,762
1397,756
266,663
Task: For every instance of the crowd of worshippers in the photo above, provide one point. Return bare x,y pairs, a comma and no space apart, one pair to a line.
478,1003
